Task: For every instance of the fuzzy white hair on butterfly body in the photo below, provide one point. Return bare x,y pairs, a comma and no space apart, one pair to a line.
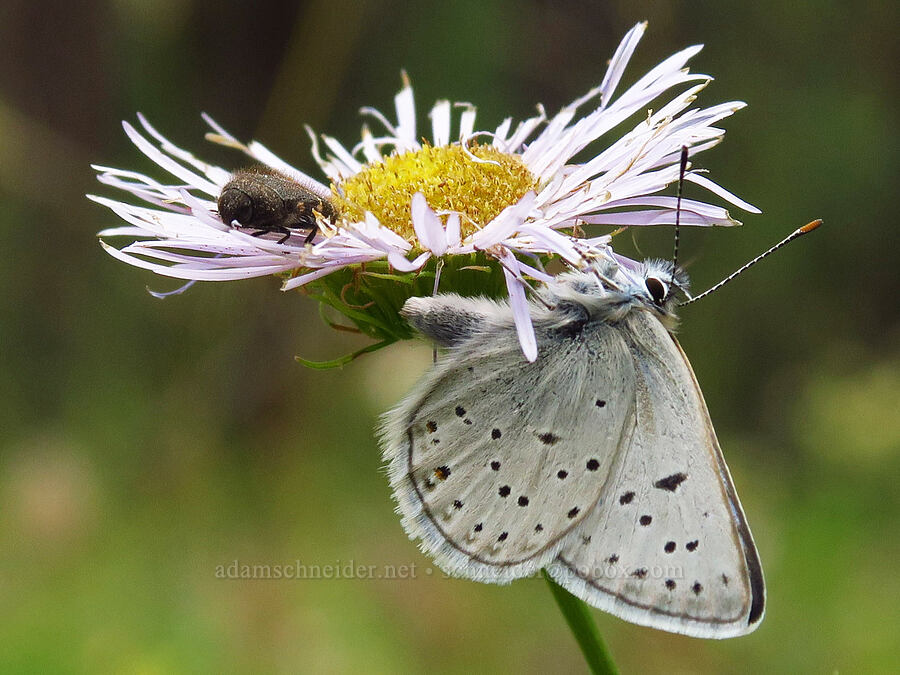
597,461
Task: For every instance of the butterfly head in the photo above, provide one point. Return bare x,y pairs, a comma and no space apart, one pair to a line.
609,291
661,284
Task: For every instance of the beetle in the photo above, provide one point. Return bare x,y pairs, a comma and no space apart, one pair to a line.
269,201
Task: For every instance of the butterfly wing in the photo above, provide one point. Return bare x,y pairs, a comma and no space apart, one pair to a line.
494,460
597,461
668,545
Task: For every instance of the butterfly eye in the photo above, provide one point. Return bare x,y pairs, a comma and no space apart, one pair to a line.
658,290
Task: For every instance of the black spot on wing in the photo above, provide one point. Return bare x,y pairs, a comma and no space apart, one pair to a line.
600,403
593,465
442,472
670,483
645,520
626,498
495,465
457,504
503,536
697,588
562,474
669,547
504,491
640,573
495,434
613,559
460,411
692,545
573,512
523,501
431,426
670,584
548,438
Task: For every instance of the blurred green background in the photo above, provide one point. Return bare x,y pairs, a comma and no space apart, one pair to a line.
144,443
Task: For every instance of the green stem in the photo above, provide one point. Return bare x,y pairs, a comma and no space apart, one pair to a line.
342,361
583,628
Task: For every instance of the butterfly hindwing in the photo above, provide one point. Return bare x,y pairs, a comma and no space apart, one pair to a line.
668,545
486,465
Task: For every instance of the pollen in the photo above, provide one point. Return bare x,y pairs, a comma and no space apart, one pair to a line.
477,182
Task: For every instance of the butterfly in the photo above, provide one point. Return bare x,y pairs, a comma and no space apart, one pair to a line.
597,461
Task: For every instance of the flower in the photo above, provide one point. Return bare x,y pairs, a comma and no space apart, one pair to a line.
473,200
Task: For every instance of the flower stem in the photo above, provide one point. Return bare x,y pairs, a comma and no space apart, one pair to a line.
583,628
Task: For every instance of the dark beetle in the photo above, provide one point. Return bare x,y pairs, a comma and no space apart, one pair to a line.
268,201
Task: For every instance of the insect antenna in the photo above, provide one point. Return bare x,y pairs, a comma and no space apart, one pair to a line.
799,232
681,172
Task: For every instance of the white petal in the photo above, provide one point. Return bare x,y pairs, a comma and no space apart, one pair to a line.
501,227
428,226
519,305
302,279
524,130
553,242
501,132
619,61
373,112
405,106
329,168
217,175
170,165
534,273
350,165
374,229
210,274
453,230
440,123
658,217
218,129
369,147
399,262
467,121
722,192
124,231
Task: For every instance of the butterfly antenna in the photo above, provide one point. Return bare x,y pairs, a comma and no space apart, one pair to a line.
799,232
681,172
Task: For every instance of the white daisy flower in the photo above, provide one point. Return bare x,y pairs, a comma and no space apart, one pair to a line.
468,202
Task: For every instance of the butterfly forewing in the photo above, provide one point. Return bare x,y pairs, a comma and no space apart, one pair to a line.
667,546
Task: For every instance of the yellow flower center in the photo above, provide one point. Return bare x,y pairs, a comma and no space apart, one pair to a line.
450,179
